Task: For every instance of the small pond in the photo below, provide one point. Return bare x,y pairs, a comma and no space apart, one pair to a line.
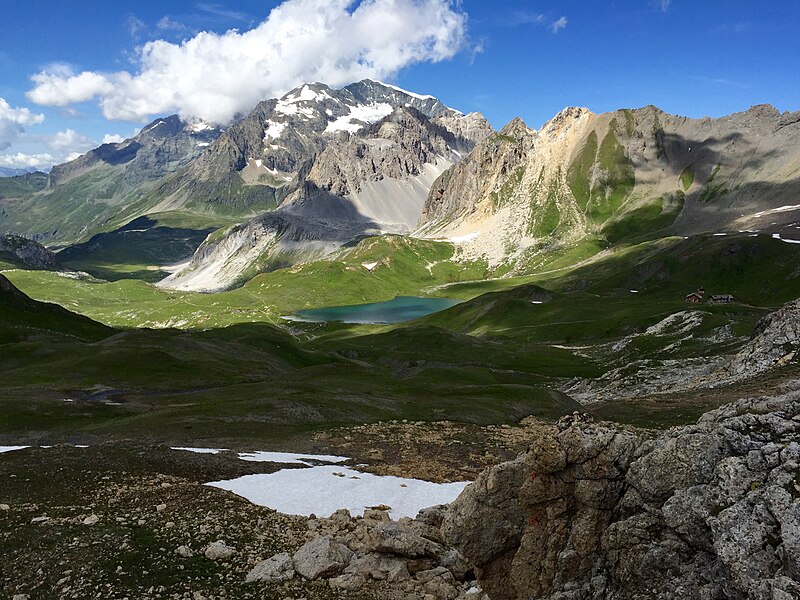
402,308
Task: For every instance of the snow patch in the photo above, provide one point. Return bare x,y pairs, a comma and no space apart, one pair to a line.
12,448
371,113
406,92
461,239
289,458
777,236
291,108
201,450
780,209
322,490
369,266
274,130
199,126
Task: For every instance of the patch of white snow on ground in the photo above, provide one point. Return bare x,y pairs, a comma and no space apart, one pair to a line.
198,126
290,458
369,266
201,450
366,114
325,489
460,239
777,236
274,130
406,92
780,209
12,448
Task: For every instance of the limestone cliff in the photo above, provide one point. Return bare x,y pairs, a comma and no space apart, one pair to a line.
706,511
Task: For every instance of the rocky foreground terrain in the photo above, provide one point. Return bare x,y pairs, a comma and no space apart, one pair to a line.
710,510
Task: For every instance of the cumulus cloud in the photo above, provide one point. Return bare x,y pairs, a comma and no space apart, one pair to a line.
113,138
22,161
558,24
13,122
60,87
69,142
215,76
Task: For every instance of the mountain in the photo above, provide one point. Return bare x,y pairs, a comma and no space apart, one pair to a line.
102,186
586,181
263,157
12,172
315,152
343,164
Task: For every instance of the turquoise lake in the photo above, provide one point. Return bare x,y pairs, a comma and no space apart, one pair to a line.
402,308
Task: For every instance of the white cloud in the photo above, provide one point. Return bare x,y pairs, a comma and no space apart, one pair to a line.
59,87
136,26
113,138
167,23
215,76
21,161
558,25
13,122
664,4
69,141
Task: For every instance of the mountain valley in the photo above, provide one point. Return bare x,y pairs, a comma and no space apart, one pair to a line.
634,267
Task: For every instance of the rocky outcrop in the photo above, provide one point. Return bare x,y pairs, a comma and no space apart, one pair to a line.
707,511
775,342
377,557
27,253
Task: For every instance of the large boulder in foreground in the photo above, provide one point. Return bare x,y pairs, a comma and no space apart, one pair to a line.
707,511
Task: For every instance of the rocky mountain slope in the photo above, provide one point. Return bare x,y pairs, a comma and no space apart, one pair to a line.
774,343
340,169
26,253
601,179
102,186
591,511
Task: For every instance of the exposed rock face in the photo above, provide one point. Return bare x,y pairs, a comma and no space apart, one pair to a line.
359,179
618,176
27,253
774,343
706,511
266,155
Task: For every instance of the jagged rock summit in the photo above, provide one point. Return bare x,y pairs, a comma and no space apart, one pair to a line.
339,165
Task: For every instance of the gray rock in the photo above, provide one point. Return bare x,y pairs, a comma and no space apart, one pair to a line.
321,557
276,569
184,552
402,540
219,550
379,567
595,512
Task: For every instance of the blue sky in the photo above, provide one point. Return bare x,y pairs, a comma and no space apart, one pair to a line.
504,58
